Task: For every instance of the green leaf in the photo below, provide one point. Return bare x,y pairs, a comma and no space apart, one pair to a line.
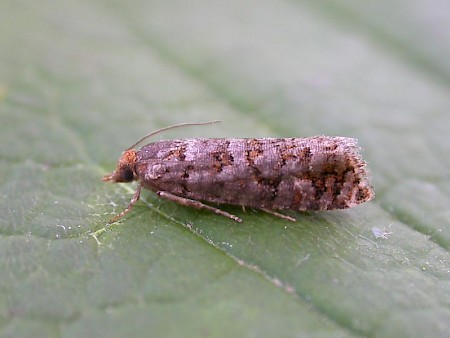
81,81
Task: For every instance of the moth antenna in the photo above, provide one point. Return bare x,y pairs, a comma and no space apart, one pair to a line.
172,127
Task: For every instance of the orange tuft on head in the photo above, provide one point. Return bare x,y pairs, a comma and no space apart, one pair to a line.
128,158
125,168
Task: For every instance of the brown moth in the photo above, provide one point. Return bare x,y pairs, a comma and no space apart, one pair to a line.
313,173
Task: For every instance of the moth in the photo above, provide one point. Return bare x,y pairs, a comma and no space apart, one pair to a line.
270,174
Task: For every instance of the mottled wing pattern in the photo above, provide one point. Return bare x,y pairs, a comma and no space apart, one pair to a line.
316,173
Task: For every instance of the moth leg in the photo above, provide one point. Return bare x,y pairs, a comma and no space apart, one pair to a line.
277,214
133,201
196,204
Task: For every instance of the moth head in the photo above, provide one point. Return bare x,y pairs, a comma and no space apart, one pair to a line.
125,168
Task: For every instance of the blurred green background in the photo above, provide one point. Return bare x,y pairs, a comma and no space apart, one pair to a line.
82,80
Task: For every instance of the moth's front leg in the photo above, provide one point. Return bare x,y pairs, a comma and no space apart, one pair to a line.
279,215
196,204
133,201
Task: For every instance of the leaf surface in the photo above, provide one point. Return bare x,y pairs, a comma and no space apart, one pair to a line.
81,81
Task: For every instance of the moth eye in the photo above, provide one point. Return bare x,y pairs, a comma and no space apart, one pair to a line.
127,175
